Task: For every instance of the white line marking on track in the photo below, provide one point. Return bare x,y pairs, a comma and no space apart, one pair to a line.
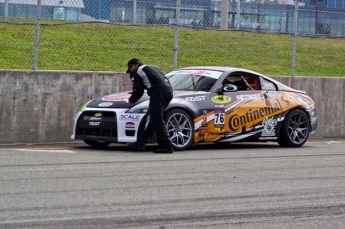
47,150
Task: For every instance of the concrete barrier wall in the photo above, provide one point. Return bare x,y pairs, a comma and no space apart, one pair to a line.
39,106
329,96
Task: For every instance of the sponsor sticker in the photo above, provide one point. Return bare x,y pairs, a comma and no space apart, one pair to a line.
197,72
273,94
219,129
195,98
204,118
105,104
94,123
221,99
268,138
130,125
129,117
208,73
239,121
95,118
247,97
98,114
203,129
117,97
269,124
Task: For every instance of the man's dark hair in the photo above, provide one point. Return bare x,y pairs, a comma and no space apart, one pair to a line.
133,61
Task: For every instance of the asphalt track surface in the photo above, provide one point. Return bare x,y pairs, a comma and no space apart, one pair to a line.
209,186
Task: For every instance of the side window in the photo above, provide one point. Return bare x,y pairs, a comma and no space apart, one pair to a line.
268,85
183,81
204,84
243,81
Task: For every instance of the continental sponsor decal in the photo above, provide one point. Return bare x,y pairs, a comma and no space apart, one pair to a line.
221,99
238,122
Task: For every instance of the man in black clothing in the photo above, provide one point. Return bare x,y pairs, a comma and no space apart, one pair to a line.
158,87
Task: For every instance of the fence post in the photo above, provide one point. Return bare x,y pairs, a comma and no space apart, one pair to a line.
134,11
177,28
6,9
224,15
295,31
238,13
37,34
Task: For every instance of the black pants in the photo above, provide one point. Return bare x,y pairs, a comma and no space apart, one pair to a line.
159,100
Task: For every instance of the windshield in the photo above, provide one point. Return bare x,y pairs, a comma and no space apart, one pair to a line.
193,80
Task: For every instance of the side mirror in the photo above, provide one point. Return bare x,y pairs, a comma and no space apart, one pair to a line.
229,88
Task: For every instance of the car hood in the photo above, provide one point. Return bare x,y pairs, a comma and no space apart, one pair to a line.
120,100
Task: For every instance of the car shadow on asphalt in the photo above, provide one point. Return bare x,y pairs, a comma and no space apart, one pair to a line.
115,147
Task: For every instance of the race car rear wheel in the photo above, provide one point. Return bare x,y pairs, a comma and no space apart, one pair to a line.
96,144
180,128
295,129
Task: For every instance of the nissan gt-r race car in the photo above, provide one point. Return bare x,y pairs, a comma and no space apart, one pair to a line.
210,104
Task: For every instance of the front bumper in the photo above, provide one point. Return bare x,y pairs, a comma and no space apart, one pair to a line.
112,125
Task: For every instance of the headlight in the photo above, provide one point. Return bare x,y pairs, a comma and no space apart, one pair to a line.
140,108
83,107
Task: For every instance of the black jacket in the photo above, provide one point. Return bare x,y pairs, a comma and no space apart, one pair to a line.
147,77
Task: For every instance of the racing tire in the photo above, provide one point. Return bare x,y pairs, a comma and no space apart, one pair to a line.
295,129
180,129
96,144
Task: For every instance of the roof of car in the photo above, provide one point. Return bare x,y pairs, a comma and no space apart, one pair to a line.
221,68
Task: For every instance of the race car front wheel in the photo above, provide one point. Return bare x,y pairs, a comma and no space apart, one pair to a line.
96,144
180,128
295,129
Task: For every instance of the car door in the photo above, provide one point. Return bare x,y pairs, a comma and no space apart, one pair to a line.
237,112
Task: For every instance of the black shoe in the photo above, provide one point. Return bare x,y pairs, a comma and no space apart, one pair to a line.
137,146
164,150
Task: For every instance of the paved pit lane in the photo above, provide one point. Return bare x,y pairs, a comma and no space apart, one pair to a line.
209,186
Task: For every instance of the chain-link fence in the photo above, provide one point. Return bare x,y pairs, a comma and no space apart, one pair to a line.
274,37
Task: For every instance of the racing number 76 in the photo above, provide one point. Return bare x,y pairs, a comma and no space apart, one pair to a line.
219,118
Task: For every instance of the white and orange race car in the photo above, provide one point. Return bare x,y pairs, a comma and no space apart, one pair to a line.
210,104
